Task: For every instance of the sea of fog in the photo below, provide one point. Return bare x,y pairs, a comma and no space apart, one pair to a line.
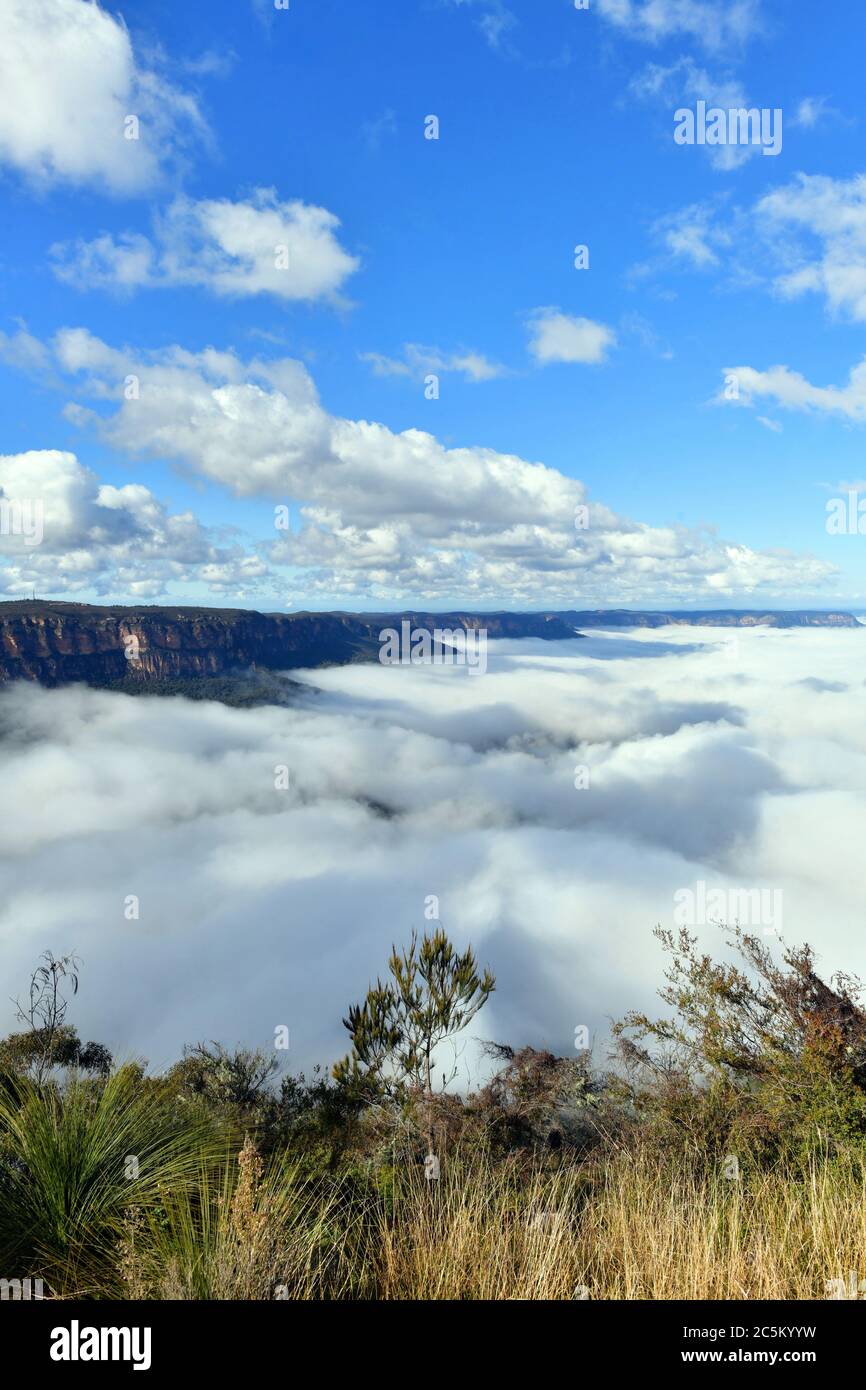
226,872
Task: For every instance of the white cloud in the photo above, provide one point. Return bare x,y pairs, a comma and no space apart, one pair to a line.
713,23
213,62
828,218
792,391
385,516
713,755
806,237
812,110
496,22
696,234
256,246
557,337
496,26
64,532
684,82
417,361
123,263
70,80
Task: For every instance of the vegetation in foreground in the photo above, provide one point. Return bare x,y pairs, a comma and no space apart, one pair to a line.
720,1155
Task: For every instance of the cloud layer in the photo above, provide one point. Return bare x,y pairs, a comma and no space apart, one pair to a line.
712,756
389,516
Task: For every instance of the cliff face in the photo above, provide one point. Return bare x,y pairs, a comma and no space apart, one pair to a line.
70,642
56,643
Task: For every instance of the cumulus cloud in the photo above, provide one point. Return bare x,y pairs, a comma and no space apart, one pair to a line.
71,82
712,756
558,337
61,530
233,249
386,516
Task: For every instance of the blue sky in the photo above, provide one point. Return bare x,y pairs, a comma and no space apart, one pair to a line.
301,133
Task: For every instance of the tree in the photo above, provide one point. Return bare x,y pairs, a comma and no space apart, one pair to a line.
538,1097
432,995
48,1042
26,1052
226,1079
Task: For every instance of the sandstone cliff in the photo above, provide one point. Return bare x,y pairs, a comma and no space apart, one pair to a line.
56,643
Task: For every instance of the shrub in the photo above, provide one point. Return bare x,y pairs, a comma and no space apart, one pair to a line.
769,1063
74,1160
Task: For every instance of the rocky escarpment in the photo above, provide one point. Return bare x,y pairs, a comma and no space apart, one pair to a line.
722,617
56,643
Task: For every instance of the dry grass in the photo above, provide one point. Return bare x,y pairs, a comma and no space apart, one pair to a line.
633,1234
477,1235
647,1235
624,1230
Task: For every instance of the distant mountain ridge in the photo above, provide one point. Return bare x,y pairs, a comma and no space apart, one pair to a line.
719,617
56,643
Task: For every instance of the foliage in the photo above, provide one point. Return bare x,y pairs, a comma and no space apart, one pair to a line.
724,1156
762,1060
44,1012
77,1158
537,1097
30,1052
250,1230
433,994
233,1081
239,689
